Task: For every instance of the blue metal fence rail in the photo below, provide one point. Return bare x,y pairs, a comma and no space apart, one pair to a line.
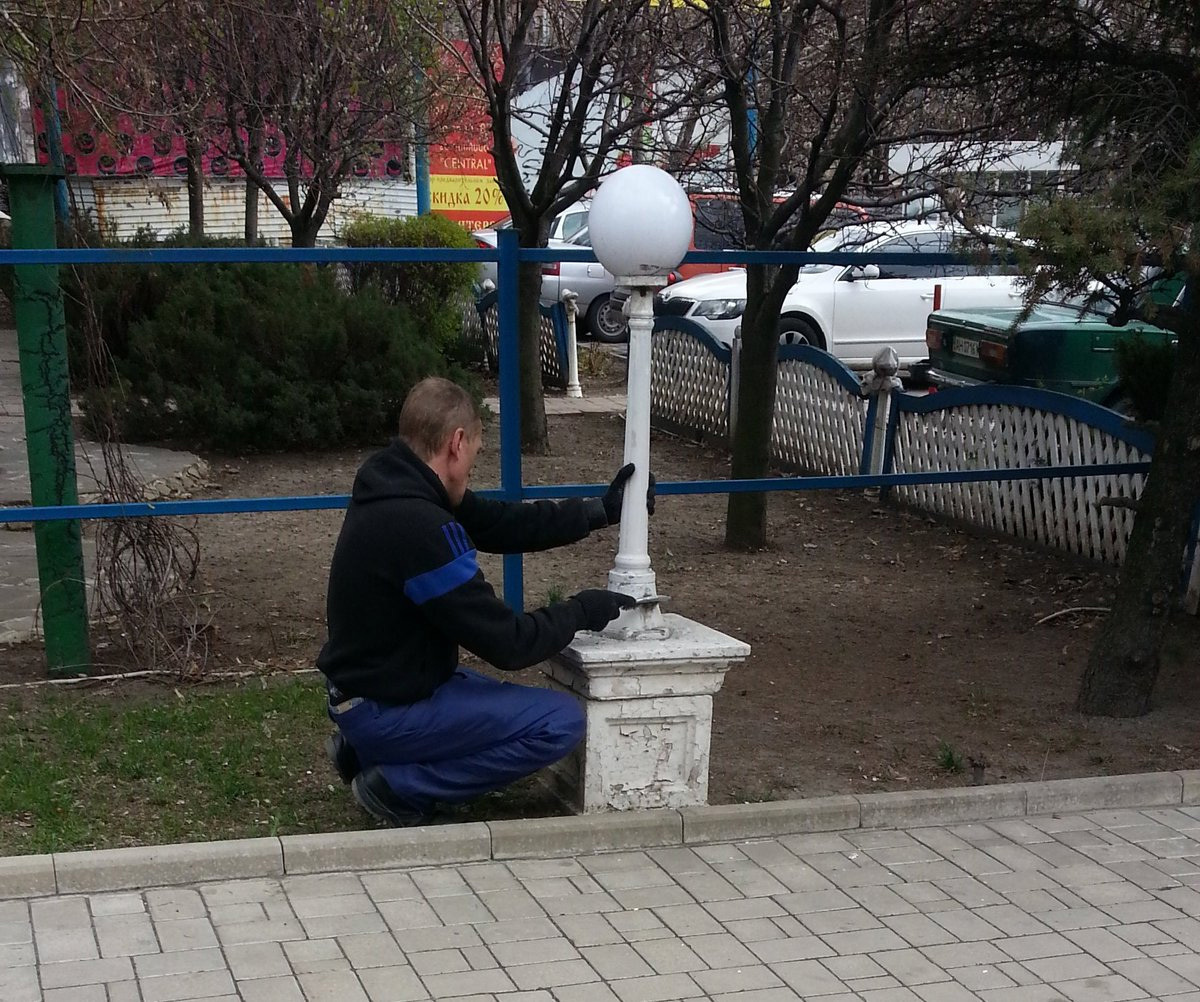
398,255
509,255
324,502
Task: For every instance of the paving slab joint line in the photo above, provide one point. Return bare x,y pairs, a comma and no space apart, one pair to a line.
29,876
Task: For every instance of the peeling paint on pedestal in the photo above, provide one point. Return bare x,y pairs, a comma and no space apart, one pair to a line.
648,706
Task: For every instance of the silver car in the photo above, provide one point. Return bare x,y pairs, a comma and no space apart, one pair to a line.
601,317
564,226
589,280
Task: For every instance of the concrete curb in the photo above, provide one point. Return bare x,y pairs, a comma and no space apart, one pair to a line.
585,833
156,865
195,862
383,848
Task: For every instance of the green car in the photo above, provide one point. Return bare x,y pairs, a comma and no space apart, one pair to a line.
1060,346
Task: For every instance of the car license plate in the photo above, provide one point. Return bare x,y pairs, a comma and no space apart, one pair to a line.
963,346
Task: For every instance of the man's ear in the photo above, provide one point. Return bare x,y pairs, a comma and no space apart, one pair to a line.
457,441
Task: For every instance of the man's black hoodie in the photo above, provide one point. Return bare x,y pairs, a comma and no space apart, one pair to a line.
405,590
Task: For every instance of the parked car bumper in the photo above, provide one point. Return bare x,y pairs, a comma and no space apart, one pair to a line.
923,372
721,330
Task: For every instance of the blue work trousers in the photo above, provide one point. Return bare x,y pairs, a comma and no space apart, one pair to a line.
473,735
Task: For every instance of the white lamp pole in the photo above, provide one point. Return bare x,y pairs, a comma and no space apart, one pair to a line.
641,226
647,681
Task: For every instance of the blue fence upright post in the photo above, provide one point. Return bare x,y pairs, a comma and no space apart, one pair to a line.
54,146
423,187
510,401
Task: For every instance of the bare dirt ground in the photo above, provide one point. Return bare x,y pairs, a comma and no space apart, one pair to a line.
879,637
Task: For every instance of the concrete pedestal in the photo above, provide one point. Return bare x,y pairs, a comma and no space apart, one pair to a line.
649,715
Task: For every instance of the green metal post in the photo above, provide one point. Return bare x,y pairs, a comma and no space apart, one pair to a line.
49,440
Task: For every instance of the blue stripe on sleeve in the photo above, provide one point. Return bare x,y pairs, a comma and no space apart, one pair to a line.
456,537
437,582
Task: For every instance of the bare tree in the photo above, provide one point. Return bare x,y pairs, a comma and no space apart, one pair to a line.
586,67
142,58
817,92
174,76
335,79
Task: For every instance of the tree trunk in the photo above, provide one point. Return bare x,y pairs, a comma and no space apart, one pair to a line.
535,436
1127,654
307,220
251,227
253,152
195,183
746,514
304,231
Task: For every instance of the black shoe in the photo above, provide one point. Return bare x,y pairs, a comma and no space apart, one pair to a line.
375,797
342,757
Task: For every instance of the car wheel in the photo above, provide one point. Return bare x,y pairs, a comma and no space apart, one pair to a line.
797,330
606,322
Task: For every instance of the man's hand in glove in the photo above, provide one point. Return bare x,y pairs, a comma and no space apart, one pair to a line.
615,495
601,607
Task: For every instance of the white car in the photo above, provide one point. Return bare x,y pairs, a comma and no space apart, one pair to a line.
854,310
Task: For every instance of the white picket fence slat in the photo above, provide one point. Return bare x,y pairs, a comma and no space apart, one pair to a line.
689,384
1062,514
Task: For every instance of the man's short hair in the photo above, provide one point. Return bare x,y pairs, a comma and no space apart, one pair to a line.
433,409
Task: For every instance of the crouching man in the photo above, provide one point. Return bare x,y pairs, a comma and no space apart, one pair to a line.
405,592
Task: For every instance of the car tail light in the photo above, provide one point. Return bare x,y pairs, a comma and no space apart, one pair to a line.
933,339
993,354
553,268
672,277
484,245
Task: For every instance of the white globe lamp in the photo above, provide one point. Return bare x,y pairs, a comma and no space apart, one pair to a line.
641,223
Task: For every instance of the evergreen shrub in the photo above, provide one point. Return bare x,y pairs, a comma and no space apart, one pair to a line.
1144,369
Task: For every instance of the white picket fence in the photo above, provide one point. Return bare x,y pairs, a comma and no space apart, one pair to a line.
820,417
980,429
822,427
552,342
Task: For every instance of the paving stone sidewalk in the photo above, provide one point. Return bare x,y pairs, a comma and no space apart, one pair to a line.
1095,907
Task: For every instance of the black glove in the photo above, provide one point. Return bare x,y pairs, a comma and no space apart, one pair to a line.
615,495
601,607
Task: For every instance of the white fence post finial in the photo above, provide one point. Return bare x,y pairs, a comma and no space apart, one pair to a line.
879,383
571,301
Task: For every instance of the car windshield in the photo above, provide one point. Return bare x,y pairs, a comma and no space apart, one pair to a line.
849,238
1083,304
583,238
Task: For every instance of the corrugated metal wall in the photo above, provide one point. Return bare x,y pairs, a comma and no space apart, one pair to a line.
161,205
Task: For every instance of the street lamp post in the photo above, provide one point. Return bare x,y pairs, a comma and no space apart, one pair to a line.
641,225
647,681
